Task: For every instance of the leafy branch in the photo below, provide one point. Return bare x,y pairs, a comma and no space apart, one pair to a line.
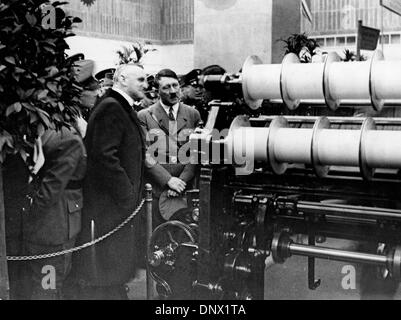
37,85
134,53
303,46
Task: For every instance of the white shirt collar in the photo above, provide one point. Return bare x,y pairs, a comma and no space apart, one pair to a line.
167,109
126,96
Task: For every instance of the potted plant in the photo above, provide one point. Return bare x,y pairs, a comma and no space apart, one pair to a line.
302,46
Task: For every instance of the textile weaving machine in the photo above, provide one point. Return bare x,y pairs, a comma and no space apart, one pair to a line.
272,187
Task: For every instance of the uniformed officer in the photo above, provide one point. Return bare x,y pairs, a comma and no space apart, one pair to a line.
53,220
192,90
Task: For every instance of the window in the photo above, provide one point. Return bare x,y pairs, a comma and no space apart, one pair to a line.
330,42
395,39
320,41
340,41
385,39
351,40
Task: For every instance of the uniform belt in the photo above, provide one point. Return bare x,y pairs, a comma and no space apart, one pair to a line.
74,185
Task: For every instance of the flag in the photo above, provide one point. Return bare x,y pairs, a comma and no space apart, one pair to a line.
305,8
392,5
367,37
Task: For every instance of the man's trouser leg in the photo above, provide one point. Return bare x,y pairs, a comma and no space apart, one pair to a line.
46,276
19,286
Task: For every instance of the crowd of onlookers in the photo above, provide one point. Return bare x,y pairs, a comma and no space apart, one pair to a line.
193,91
89,177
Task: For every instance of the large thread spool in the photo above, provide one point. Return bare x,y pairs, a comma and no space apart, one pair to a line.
322,147
334,83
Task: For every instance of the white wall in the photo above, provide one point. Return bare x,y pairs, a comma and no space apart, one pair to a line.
179,58
226,32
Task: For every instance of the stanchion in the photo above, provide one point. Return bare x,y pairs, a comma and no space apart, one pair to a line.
148,208
4,284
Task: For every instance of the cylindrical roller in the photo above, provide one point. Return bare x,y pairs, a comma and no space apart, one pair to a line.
258,79
320,124
377,103
263,80
349,80
383,149
293,146
289,60
252,140
245,145
338,147
320,146
374,82
332,103
336,121
387,74
235,142
367,172
305,81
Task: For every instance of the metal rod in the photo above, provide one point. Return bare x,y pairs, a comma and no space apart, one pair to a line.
382,28
344,103
359,41
93,249
347,210
333,120
313,283
149,230
337,255
4,281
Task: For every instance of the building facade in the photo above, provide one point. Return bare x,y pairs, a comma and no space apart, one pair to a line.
156,21
107,25
335,24
185,33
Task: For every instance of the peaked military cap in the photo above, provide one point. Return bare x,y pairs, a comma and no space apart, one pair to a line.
191,78
106,73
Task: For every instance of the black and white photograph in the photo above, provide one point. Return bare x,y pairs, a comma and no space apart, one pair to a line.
200,154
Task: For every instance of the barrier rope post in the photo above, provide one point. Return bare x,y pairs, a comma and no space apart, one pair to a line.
149,229
4,284
83,246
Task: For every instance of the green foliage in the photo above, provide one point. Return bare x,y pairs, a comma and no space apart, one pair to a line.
351,56
302,46
37,86
134,53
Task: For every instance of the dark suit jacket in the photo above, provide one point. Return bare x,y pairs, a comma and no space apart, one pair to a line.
112,190
15,186
55,214
155,120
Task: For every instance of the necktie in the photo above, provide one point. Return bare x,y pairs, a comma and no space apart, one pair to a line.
171,114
